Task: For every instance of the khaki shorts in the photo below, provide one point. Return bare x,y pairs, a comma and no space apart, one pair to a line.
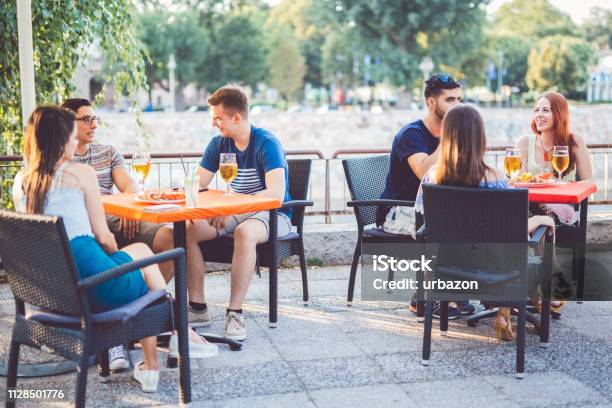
145,234
283,224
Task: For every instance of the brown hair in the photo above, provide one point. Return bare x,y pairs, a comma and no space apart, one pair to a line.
46,135
560,113
462,148
232,97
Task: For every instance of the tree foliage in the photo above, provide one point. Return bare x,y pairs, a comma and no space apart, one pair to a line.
533,19
62,33
598,27
560,63
445,30
286,66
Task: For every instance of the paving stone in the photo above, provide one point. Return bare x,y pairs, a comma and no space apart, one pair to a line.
376,396
339,372
407,368
294,400
545,389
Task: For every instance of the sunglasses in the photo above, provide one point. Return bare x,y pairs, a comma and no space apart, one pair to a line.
442,78
88,120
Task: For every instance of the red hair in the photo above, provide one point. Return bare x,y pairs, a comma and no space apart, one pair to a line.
560,112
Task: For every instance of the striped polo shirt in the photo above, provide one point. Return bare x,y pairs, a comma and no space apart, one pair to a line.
104,159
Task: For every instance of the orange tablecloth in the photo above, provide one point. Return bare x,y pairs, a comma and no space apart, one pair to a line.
570,193
212,203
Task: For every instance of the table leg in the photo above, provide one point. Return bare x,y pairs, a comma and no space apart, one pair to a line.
180,241
581,249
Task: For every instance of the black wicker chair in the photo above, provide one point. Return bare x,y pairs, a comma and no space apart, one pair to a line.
270,254
42,274
485,216
366,181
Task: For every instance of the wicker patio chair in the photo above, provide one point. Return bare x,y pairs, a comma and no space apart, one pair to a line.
366,181
42,275
270,254
484,216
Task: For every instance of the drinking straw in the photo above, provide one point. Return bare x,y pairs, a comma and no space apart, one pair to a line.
183,163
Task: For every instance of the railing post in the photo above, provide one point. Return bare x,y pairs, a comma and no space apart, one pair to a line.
327,194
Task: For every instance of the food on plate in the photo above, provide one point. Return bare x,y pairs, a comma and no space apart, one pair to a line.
164,195
535,178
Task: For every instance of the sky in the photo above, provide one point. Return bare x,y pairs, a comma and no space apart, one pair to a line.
577,9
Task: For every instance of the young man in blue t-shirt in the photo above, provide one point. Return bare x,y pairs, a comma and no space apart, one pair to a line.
413,152
262,170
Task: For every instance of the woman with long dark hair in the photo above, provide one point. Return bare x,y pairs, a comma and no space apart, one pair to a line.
461,163
51,184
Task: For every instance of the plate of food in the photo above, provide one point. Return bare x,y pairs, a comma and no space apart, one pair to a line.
162,197
528,180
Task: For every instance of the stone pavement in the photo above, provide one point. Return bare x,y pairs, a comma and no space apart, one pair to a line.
330,355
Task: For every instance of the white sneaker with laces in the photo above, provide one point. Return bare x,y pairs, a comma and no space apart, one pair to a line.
148,379
199,318
196,350
235,328
118,359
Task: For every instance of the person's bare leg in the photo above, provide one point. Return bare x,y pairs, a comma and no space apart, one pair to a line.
163,241
155,281
199,231
246,237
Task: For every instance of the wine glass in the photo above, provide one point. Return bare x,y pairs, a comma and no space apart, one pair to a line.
141,163
512,163
560,159
228,169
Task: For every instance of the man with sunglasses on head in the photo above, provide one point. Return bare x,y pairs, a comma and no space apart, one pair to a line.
414,151
112,171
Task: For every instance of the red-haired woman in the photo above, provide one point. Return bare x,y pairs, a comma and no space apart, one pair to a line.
550,126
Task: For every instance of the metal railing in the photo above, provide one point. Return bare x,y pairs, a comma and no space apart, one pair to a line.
331,196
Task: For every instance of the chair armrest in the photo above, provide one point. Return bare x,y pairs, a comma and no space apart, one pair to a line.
112,273
537,236
421,234
297,203
380,202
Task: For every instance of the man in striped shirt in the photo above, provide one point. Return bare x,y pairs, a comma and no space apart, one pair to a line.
262,170
112,171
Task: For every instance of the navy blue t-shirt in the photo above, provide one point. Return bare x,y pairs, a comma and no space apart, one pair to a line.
264,153
402,183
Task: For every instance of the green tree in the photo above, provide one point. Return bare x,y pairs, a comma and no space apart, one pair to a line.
598,27
560,63
236,52
164,33
62,33
310,30
532,19
286,65
515,50
445,29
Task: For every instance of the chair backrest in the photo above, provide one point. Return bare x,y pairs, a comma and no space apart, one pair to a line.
457,214
38,262
366,178
299,179
479,234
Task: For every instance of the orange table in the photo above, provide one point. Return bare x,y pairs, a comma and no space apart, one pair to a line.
570,193
211,203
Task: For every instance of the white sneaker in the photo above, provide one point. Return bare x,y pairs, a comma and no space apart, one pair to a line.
118,359
235,328
196,350
148,379
199,318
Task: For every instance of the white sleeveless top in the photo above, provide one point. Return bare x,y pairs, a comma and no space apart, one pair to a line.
66,202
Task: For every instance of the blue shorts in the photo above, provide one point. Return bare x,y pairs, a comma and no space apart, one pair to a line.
91,260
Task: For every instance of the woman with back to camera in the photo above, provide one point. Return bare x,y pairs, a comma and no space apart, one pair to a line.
50,184
461,163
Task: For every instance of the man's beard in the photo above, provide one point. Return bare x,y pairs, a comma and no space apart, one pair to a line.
439,113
